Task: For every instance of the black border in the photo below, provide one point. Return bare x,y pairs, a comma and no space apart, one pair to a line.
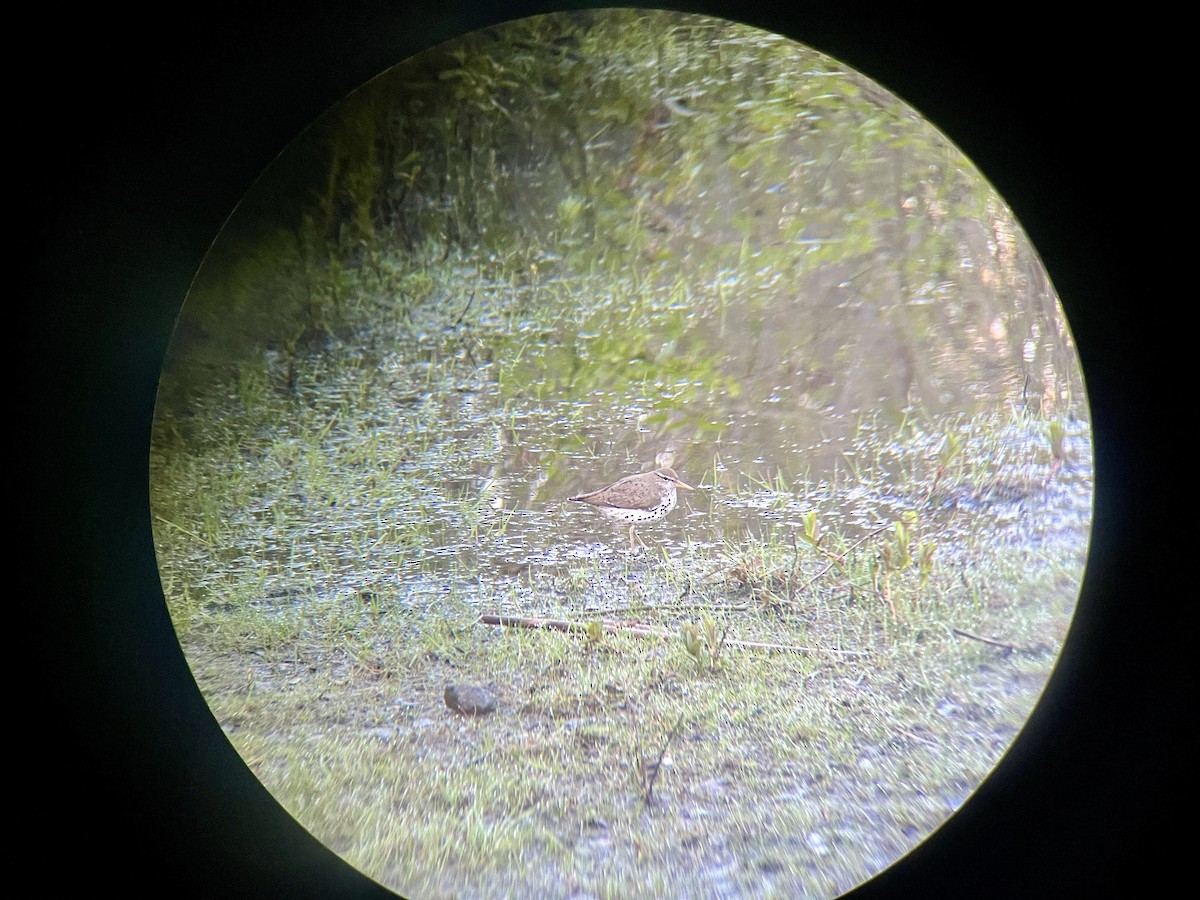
141,135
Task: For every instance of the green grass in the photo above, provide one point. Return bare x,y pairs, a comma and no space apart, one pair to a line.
334,699
327,625
337,707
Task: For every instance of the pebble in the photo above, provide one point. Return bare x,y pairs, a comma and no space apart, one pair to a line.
470,699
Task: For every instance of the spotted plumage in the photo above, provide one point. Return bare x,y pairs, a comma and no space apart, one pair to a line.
637,498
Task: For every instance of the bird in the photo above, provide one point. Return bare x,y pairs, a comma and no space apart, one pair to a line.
637,498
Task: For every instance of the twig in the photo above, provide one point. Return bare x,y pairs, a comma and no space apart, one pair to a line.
984,640
841,560
721,644
791,585
654,770
463,313
640,630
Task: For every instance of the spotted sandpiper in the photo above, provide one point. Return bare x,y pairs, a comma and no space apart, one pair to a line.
637,498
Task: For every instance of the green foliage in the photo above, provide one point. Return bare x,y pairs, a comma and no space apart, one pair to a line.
1056,436
811,530
252,384
925,555
704,641
595,633
951,450
680,156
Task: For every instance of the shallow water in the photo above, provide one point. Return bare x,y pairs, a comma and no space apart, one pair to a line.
470,472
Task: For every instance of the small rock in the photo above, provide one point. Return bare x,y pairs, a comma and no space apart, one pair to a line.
470,699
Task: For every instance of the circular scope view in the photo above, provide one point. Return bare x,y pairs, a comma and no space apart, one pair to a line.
622,454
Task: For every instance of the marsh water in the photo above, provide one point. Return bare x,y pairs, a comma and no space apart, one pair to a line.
447,441
480,458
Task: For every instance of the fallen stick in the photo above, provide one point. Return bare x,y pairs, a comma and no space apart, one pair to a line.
839,560
984,640
657,766
635,628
